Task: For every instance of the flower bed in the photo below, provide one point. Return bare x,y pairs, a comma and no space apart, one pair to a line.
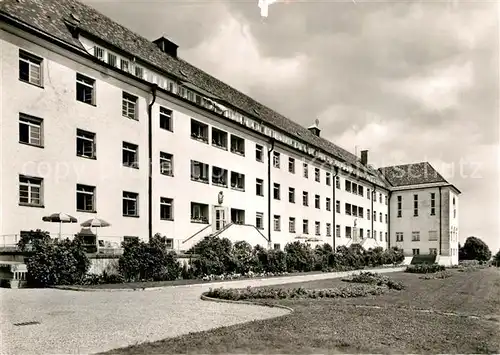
424,268
375,279
438,275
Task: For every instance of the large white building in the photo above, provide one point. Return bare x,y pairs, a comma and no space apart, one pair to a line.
97,121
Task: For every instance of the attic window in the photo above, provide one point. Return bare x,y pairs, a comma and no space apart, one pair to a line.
74,17
256,112
183,73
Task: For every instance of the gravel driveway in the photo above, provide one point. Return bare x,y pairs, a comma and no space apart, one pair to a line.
89,322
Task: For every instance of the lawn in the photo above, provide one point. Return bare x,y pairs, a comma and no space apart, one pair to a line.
347,326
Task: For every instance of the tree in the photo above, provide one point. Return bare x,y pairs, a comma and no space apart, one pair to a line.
475,249
496,259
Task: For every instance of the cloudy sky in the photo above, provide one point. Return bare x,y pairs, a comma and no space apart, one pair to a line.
409,81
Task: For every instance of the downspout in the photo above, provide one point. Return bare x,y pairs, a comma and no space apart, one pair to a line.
440,217
334,205
269,151
389,220
150,158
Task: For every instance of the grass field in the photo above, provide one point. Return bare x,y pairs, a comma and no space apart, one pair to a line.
390,323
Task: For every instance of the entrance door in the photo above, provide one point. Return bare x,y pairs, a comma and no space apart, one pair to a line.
220,218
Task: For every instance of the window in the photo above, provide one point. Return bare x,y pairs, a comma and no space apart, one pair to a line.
219,138
337,182
348,232
199,212
169,243
129,238
130,204
433,204
305,170
199,171
433,235
380,197
368,193
385,236
291,195
337,231
360,212
305,198
130,154
30,68
374,216
277,223
237,216
124,64
415,251
348,186
129,106
166,209
386,200
219,176
374,234
368,214
354,210
368,235
291,224
337,206
166,119
399,236
237,145
415,236
317,175
259,220
259,153
291,165
112,60
276,246
400,206
328,179
276,160
85,198
30,191
380,217
354,188
360,190
361,233
305,226
433,251
199,131
237,181
347,209
317,202
85,144
381,236
259,187
454,208
85,88
139,71
30,130
328,229
415,205
166,164
276,191
317,228
328,204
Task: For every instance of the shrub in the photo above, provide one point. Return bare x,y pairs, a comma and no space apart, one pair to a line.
439,275
54,262
299,257
214,256
280,293
243,256
424,268
496,259
375,279
475,249
150,261
276,261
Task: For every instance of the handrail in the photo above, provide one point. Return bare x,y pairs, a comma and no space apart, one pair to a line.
194,235
226,227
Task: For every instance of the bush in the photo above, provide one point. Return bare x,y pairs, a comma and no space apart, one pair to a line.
214,256
475,249
299,257
150,261
424,268
281,293
244,257
439,275
53,262
375,279
496,259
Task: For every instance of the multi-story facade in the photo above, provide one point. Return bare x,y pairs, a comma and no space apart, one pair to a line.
97,121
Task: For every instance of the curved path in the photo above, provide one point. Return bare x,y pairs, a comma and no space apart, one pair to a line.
89,322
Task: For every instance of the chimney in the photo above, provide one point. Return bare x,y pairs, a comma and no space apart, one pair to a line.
364,157
167,46
314,129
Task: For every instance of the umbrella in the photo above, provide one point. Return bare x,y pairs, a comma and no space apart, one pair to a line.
97,223
59,218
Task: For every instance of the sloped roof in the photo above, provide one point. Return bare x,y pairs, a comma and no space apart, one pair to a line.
48,16
411,174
